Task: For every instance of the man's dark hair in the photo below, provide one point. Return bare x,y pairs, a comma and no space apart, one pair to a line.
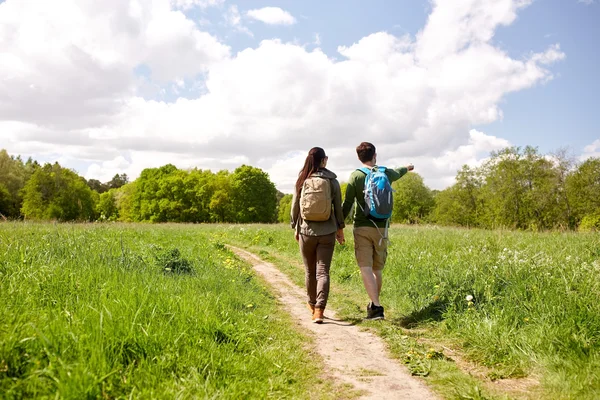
365,151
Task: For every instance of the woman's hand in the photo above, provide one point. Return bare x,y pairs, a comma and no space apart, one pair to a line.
339,236
297,236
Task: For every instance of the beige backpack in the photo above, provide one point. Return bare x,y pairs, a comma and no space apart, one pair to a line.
315,199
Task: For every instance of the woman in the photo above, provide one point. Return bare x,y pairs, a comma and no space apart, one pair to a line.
318,221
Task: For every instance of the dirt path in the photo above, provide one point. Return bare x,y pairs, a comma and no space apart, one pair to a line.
351,356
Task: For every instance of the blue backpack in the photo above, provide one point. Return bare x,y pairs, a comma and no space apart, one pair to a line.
379,201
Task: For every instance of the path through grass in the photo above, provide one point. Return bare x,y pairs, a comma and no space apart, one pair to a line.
534,310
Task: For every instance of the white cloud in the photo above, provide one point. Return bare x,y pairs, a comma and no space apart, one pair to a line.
591,150
586,2
70,90
77,74
187,4
272,16
317,41
233,18
473,154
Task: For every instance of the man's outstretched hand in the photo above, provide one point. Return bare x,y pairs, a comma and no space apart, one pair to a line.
410,167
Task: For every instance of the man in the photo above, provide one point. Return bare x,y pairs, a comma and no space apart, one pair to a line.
370,235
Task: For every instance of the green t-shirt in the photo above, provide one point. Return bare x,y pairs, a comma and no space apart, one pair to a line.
355,191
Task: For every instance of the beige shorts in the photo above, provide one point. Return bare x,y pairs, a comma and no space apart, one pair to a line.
368,251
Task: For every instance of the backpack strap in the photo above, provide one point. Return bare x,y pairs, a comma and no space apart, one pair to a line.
364,170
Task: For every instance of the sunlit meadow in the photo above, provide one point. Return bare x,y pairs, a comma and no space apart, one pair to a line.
518,304
140,311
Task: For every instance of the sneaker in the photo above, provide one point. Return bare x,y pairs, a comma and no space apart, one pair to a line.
374,312
318,315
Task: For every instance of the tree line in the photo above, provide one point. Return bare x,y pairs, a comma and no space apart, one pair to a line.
516,188
29,190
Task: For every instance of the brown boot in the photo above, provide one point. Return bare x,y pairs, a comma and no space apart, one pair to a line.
318,315
311,308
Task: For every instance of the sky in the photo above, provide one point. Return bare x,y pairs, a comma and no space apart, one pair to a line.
117,86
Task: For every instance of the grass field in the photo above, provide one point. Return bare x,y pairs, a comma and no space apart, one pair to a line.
165,311
140,311
535,311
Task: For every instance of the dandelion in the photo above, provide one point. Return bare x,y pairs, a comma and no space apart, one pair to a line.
469,297
526,319
249,306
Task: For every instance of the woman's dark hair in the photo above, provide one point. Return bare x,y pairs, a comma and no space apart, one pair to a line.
316,155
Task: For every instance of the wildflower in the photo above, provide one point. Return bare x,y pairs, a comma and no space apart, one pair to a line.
250,306
469,297
526,319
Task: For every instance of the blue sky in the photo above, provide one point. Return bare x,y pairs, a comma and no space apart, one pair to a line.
125,85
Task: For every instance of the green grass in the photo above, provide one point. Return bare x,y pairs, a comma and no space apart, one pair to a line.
535,309
140,311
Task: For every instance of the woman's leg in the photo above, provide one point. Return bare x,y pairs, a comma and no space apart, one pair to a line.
308,249
325,250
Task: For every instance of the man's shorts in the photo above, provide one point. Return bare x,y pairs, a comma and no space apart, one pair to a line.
368,251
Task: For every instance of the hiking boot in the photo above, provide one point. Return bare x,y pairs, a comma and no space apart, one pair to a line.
311,308
374,312
318,315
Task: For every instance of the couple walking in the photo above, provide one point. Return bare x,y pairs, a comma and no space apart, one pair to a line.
318,217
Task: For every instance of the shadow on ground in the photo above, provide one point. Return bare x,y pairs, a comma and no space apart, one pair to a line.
433,312
341,322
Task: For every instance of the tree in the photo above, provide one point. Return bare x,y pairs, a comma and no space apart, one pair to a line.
583,190
520,190
117,181
97,186
461,204
124,200
150,190
13,175
106,208
254,196
58,193
200,187
221,209
564,163
284,210
413,200
5,201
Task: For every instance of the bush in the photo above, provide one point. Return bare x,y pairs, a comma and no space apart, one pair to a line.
590,223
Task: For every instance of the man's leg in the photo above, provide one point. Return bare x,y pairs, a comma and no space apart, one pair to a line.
372,285
378,274
379,259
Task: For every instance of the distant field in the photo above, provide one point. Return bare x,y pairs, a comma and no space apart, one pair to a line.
535,311
114,311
